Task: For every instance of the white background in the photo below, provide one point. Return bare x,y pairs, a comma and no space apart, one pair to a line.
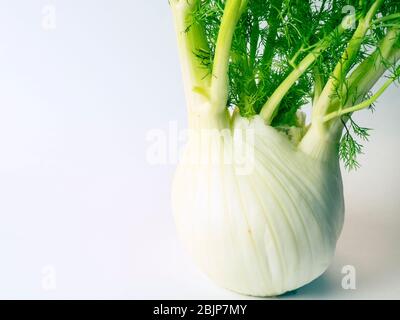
79,201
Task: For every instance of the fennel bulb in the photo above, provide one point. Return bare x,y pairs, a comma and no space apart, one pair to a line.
269,230
258,196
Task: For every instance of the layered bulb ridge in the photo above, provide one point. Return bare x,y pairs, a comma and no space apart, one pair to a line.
258,215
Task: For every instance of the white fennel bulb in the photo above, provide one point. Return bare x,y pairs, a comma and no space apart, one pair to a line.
261,220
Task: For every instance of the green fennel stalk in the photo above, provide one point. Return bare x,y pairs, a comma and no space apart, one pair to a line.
273,57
